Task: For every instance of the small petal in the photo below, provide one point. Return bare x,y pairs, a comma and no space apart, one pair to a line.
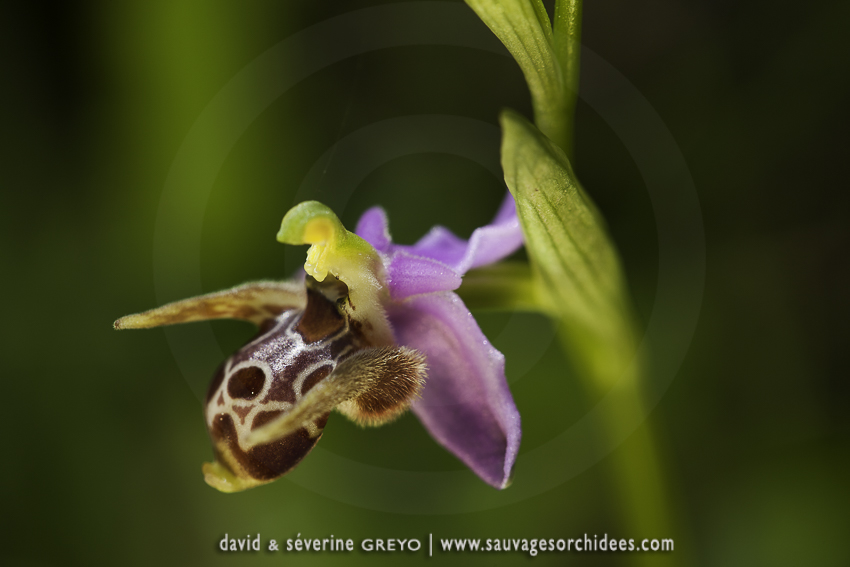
409,275
466,404
255,302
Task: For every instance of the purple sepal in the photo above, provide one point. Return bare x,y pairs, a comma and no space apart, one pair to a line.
466,404
409,275
487,244
507,211
374,228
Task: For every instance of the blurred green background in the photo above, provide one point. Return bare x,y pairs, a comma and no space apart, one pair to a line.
104,434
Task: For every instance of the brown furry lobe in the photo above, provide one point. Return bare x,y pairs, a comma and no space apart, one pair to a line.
392,378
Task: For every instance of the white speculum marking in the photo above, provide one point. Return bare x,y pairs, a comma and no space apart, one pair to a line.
296,347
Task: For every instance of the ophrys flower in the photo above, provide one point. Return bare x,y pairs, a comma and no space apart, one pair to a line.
358,334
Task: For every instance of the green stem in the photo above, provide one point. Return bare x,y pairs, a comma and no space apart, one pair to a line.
524,28
567,39
638,472
578,270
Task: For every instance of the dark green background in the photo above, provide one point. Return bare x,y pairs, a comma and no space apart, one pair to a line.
103,436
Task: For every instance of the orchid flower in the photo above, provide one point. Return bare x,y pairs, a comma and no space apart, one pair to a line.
373,328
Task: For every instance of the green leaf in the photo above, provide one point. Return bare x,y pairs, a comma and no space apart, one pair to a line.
570,251
524,28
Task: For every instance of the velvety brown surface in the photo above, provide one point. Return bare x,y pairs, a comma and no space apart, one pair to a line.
268,461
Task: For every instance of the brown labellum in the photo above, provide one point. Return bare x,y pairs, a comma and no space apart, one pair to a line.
268,404
262,412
